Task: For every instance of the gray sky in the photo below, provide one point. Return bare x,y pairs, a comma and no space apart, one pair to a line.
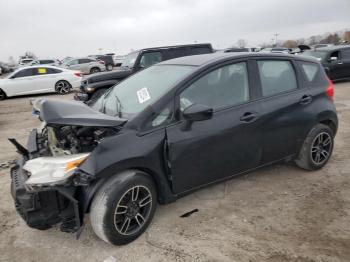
80,27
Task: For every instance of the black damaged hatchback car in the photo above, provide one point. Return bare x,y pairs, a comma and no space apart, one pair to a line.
166,131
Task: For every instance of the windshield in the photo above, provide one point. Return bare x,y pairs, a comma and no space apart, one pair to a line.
130,59
321,55
140,90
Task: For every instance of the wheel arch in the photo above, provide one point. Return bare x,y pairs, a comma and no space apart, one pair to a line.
164,195
330,119
2,90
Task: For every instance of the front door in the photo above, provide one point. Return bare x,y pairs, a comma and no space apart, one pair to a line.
226,144
21,83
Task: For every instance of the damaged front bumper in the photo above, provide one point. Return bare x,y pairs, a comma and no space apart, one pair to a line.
43,207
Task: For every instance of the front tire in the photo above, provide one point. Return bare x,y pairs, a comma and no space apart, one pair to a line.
2,95
123,207
317,148
63,87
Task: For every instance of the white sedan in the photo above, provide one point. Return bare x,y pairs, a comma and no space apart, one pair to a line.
39,79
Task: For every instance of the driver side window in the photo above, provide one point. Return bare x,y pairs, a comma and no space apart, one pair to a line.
24,73
223,87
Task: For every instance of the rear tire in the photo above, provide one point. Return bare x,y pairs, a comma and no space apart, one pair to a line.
123,207
109,67
317,148
95,70
63,87
2,95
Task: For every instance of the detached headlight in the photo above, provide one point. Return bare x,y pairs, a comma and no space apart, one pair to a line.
90,89
52,170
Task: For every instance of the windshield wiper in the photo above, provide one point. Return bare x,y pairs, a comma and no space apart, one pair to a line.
119,107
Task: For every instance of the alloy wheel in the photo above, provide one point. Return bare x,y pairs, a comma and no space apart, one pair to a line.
62,87
321,148
133,210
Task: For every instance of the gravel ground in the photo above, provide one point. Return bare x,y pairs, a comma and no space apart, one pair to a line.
279,213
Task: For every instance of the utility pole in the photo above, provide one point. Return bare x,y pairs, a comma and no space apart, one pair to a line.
277,34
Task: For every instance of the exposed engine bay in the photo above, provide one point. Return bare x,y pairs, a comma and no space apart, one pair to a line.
67,140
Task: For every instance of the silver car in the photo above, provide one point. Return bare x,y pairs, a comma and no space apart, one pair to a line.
86,65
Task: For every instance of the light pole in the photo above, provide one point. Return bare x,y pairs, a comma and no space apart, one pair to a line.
277,34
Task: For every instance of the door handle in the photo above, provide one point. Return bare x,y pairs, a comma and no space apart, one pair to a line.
306,99
249,117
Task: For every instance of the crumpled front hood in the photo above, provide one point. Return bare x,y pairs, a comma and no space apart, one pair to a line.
73,113
114,75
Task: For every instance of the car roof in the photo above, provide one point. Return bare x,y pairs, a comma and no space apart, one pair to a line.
201,60
173,46
83,57
331,48
41,66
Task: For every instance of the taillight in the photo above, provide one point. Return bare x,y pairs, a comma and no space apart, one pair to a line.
78,74
330,90
101,62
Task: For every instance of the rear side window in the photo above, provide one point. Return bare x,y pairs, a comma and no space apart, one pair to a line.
198,50
84,61
53,71
276,77
175,52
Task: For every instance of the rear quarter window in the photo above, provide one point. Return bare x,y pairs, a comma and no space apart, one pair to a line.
314,74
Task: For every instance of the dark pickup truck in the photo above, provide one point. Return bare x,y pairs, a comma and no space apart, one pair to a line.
94,86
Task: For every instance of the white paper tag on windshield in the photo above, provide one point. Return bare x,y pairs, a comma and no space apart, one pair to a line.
143,95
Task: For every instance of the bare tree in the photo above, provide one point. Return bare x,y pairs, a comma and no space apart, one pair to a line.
346,36
290,44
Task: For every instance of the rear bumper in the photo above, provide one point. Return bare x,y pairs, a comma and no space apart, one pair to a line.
76,83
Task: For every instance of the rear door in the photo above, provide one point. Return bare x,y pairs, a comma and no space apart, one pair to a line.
74,64
84,65
284,102
226,144
45,79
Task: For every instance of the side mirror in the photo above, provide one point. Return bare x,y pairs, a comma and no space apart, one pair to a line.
196,112
333,58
